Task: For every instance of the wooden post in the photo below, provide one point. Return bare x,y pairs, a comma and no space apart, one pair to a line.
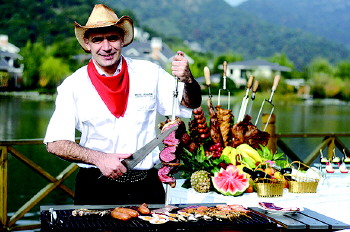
271,129
331,147
3,187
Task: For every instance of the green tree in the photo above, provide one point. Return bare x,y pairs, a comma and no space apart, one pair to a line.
283,60
333,87
32,54
320,65
345,91
343,70
320,72
52,71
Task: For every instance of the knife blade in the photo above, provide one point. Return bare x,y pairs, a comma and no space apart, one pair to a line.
140,154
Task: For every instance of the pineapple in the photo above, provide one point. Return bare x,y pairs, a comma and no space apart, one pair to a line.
201,181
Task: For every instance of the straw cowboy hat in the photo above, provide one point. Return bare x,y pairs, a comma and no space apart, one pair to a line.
102,16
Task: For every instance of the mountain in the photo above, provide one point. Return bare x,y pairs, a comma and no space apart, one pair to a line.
221,28
329,19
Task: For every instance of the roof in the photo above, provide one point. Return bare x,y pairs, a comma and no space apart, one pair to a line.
143,50
214,78
10,54
4,61
252,64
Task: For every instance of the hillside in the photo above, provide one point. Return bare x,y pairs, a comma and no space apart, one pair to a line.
220,28
329,19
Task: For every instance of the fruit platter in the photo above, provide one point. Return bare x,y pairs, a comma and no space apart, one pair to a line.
229,155
220,155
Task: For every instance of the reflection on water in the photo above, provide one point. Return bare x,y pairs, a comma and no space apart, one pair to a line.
25,119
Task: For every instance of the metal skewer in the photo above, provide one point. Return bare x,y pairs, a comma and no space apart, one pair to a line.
254,89
224,87
245,99
207,81
274,86
175,94
173,116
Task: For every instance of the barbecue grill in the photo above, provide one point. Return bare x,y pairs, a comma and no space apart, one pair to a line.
65,221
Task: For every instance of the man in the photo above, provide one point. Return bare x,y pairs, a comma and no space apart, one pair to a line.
113,103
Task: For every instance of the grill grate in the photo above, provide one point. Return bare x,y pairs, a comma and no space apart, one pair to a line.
66,222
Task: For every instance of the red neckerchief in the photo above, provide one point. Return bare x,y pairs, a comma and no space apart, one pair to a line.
114,90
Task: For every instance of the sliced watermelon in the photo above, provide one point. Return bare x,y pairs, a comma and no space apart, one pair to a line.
230,182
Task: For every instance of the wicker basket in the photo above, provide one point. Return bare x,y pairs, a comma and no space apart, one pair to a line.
269,187
302,184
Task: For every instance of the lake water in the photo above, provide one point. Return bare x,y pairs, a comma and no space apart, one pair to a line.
27,119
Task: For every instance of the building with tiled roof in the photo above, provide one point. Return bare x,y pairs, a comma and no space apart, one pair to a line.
239,71
10,68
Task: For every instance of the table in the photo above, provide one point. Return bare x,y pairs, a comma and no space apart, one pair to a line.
332,198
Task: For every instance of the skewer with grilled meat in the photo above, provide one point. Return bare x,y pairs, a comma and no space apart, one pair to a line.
225,119
247,132
215,132
198,127
173,146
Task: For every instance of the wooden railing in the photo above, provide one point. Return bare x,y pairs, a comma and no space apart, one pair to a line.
6,149
330,140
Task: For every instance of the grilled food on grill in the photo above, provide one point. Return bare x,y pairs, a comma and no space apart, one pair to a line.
131,212
143,209
120,216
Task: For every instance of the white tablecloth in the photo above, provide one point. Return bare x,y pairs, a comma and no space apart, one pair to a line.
331,199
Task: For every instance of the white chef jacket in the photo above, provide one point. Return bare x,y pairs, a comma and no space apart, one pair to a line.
78,106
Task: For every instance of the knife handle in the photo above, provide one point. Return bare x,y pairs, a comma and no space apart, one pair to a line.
250,82
207,75
255,86
224,67
126,163
275,82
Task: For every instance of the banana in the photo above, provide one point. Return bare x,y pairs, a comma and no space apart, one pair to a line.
226,151
233,154
245,148
249,161
240,168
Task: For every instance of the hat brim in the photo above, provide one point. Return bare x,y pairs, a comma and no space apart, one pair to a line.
125,23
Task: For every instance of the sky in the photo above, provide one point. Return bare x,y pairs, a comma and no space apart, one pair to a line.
234,2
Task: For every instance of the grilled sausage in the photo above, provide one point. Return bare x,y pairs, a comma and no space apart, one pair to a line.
120,216
131,212
143,209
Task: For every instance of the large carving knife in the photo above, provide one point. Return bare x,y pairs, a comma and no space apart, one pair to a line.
140,154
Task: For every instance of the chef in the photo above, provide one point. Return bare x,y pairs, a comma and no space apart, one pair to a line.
113,102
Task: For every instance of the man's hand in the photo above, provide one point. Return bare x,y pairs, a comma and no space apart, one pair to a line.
181,69
110,165
191,97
